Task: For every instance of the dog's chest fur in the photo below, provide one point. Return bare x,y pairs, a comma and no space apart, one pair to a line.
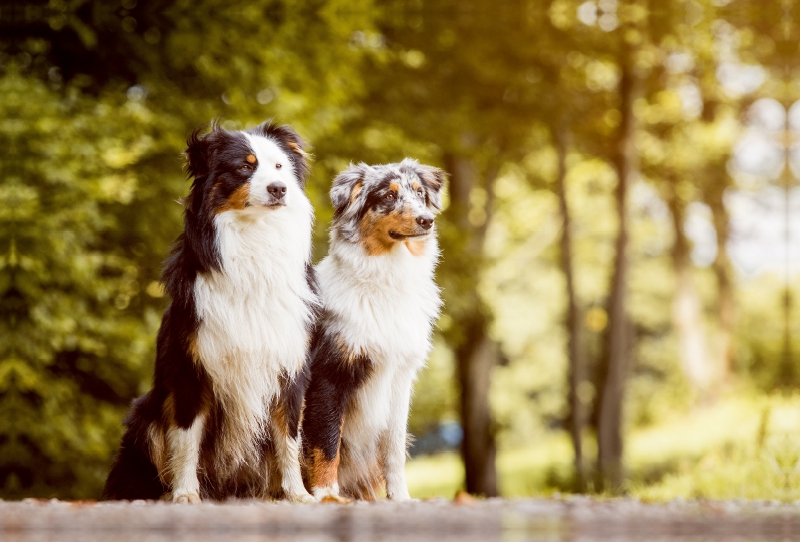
382,307
254,316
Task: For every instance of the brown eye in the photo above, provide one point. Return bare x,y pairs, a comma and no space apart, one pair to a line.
391,196
278,166
420,193
246,167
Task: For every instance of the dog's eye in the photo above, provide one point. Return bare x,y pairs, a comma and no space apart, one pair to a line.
246,167
278,166
390,196
420,192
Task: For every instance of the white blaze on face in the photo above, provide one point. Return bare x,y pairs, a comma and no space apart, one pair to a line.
410,197
256,311
269,155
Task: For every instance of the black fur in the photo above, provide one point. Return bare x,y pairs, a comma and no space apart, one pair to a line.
293,391
290,143
375,199
133,475
432,180
217,164
334,379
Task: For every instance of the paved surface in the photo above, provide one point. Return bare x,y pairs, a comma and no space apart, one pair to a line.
576,519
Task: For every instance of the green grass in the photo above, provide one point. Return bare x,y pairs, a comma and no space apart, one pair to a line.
743,446
435,476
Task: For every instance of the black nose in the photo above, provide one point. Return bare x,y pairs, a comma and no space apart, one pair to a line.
277,190
425,221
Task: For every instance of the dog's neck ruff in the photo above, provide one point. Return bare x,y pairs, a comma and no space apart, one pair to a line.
399,265
260,299
383,305
255,313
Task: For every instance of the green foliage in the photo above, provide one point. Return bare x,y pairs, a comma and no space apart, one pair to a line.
79,328
92,170
96,103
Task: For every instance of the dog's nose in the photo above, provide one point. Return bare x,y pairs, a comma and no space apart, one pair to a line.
425,221
277,190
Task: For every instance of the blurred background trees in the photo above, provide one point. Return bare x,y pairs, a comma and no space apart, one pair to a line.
619,246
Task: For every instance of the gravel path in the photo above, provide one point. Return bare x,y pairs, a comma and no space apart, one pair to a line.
577,519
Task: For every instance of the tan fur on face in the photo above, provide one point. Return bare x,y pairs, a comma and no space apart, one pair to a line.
416,248
236,201
375,230
251,158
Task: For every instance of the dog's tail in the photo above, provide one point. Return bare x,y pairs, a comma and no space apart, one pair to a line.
133,474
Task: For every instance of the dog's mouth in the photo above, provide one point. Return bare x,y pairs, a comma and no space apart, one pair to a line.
270,205
397,236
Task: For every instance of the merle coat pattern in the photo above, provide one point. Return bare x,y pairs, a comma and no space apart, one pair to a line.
373,336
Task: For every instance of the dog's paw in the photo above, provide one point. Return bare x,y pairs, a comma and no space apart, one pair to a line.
330,495
185,497
303,498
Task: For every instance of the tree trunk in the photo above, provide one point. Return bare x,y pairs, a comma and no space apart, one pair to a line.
726,304
475,358
572,317
686,309
475,351
609,423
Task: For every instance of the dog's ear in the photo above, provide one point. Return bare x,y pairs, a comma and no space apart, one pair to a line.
433,180
346,187
197,152
291,143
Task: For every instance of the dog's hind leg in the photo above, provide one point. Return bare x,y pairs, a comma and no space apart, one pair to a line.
135,472
133,475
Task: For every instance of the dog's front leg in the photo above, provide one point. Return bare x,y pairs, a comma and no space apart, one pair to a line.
394,442
184,458
285,432
326,403
287,454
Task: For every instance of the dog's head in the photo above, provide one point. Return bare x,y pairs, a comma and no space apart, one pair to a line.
382,205
253,171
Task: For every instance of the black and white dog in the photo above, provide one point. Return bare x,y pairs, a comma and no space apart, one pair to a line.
373,336
223,416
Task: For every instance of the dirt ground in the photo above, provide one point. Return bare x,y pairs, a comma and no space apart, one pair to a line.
576,519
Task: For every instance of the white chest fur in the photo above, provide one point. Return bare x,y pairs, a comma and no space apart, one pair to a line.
384,307
255,313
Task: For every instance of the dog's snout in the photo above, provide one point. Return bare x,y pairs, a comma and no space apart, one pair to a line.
277,190
425,221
